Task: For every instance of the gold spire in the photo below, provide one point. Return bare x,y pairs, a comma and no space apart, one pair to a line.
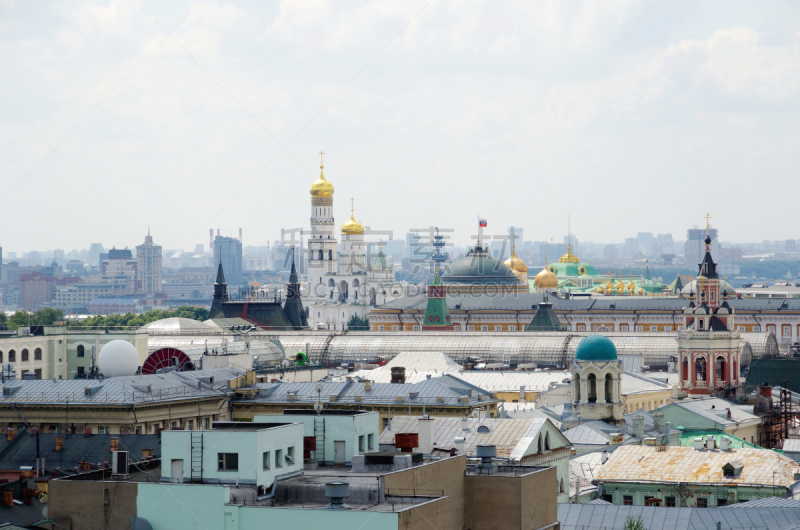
708,224
352,226
321,187
517,266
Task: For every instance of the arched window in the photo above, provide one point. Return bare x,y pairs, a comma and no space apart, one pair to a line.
80,350
700,369
592,388
541,444
37,354
721,369
609,389
1,356
12,356
577,392
547,441
319,255
561,485
330,255
24,355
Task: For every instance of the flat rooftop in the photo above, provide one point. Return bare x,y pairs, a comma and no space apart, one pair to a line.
245,425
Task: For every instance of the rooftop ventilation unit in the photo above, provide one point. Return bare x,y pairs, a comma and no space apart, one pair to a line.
91,390
337,492
486,453
483,429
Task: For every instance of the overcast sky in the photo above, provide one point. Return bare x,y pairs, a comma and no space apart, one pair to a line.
630,116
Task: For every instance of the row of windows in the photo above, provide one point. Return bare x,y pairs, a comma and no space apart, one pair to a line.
668,501
24,355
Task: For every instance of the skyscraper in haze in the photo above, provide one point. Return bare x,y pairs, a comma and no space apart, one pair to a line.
228,251
148,266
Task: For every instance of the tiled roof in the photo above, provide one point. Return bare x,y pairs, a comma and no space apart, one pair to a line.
635,463
514,439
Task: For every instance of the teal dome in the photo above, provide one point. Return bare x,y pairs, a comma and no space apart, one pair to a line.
596,348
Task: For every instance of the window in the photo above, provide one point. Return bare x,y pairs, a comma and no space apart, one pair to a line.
581,327
512,328
290,455
371,442
190,425
623,327
228,461
265,459
627,500
416,328
24,355
722,502
174,425
37,354
639,328
205,423
81,370
38,373
361,446
470,328
669,502
702,502
756,329
279,458
380,328
395,328
667,328
608,498
498,328
653,328
81,350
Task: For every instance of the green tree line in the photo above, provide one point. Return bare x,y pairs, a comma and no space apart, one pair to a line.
48,315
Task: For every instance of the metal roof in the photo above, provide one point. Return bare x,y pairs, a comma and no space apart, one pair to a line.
715,409
513,439
120,390
447,390
613,517
767,502
95,448
642,463
791,445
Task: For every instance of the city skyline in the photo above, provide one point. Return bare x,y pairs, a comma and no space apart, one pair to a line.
112,123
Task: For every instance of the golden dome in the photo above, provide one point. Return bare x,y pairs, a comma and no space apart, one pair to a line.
641,291
321,187
609,285
352,226
515,263
620,286
545,279
569,257
631,286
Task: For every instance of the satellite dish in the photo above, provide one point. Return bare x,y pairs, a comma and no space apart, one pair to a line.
286,363
318,407
319,388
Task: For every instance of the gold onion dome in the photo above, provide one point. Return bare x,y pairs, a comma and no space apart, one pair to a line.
545,279
352,226
321,187
620,286
515,263
569,257
631,286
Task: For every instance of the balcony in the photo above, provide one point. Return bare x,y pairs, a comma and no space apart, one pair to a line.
700,384
687,383
720,384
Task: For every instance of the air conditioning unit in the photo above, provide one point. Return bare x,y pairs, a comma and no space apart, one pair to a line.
119,463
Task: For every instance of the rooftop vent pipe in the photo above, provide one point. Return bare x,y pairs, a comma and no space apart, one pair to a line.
460,443
710,442
698,444
486,453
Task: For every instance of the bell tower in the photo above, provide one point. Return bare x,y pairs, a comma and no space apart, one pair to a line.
709,344
323,255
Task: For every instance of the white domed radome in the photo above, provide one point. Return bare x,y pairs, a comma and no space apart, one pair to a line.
118,358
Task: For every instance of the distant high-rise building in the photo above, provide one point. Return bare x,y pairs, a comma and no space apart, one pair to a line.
694,248
94,254
228,251
148,266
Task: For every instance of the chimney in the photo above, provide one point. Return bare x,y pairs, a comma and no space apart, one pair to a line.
11,433
710,442
59,443
465,424
460,442
115,443
724,443
658,419
729,414
615,438
698,444
604,456
638,427
667,428
398,374
426,435
87,431
367,385
522,393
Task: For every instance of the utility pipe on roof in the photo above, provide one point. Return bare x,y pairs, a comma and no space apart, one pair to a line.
14,408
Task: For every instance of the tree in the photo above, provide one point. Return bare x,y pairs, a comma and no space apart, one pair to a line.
634,524
137,320
358,324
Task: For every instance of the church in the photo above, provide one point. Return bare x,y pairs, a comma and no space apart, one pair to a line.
341,282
